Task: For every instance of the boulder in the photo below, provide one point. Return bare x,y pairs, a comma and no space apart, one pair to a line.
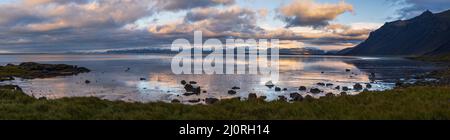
189,93
329,84
329,94
368,85
348,70
357,86
176,101
282,98
232,92
308,98
252,96
87,82
183,82
211,100
270,84
315,90
192,88
320,84
263,97
235,88
192,82
345,88
337,88
302,88
285,89
194,101
277,89
343,93
142,79
296,97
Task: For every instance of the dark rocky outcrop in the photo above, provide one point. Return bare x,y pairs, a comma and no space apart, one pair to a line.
31,70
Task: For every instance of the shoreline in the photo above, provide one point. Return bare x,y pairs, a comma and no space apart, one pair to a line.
388,104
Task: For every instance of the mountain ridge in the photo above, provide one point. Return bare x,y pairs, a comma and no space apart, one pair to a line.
426,34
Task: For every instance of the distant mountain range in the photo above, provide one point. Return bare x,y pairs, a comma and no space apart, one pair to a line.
427,34
291,51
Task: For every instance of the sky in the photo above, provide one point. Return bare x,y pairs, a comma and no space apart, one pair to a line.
55,26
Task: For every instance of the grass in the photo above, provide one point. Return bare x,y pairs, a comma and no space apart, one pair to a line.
416,102
434,58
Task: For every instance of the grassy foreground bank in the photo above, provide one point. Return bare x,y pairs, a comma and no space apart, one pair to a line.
415,102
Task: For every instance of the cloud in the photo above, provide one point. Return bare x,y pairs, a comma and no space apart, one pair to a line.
231,21
310,13
177,5
412,8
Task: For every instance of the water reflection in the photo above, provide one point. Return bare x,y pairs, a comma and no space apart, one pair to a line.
149,77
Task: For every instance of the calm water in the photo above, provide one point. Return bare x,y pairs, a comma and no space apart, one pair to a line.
110,80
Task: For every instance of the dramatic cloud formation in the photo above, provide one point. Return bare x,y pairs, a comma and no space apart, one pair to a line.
85,25
231,21
411,8
176,5
310,13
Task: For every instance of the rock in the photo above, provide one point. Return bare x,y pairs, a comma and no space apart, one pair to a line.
192,82
194,101
368,85
263,97
142,79
357,86
205,91
345,88
189,93
308,98
296,97
348,70
176,101
232,92
87,82
236,88
285,89
270,84
183,82
329,84
315,90
252,96
282,98
211,100
343,94
329,95
337,88
277,89
320,84
302,88
192,88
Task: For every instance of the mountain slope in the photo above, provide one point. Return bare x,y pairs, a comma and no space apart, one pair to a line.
427,34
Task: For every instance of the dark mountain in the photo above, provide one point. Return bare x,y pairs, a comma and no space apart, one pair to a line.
427,34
